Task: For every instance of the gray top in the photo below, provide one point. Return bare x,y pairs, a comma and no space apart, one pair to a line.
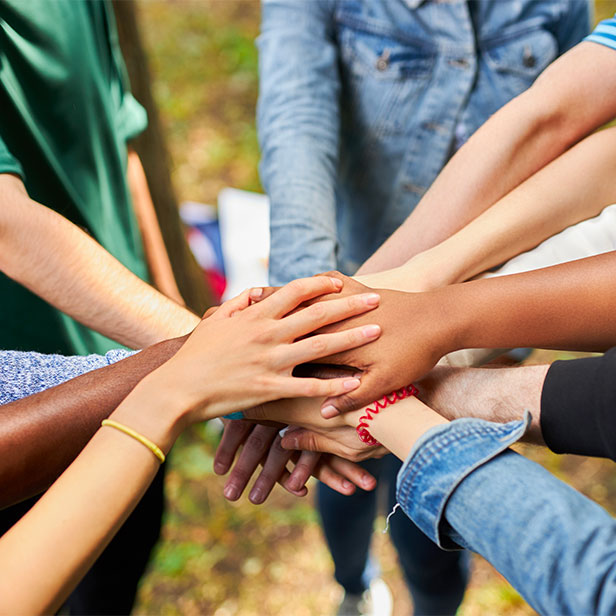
25,373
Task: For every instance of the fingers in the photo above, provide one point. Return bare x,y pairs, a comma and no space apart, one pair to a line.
322,345
304,469
254,450
258,294
291,387
340,475
291,295
233,305
324,313
209,312
233,436
273,468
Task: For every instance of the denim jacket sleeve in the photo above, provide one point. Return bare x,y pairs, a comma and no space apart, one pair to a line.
298,124
463,487
26,373
574,24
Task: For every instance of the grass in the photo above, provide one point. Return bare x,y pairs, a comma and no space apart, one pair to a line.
229,559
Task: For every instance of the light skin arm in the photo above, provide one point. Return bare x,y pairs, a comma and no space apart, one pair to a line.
241,356
573,96
63,265
155,250
574,187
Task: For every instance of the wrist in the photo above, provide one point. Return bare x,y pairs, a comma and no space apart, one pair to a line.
399,427
152,412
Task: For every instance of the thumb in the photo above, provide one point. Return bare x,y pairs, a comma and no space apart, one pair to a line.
370,389
305,440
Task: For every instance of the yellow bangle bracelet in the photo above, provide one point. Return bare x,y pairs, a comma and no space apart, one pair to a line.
155,449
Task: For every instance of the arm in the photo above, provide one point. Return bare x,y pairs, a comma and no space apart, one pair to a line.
41,434
573,96
546,308
153,243
212,374
574,187
56,260
298,123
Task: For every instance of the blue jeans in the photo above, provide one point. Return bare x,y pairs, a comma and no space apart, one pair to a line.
436,578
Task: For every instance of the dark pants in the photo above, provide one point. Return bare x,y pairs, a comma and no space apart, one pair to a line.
111,584
436,579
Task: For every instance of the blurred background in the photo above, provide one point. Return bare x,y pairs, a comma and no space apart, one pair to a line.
226,558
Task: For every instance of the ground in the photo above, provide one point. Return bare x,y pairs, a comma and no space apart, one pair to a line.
217,557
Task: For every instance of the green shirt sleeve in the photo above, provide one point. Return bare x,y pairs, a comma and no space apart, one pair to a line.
132,118
8,163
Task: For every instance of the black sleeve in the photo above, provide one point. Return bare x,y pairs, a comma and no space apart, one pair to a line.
578,406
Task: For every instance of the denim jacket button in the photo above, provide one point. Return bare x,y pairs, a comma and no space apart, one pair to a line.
382,64
528,58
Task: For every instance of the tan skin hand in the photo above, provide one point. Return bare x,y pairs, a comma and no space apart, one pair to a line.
253,349
413,339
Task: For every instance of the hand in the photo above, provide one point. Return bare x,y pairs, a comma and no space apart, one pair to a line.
415,335
336,436
262,446
244,354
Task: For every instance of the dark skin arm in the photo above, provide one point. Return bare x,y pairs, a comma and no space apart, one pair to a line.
40,435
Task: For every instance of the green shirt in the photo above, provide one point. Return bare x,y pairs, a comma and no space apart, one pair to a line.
65,116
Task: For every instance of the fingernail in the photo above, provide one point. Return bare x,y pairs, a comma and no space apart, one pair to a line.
289,443
256,496
329,411
256,293
337,282
371,299
219,468
231,492
294,484
358,375
351,384
347,485
370,331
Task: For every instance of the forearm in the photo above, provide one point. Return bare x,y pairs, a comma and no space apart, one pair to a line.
153,243
494,394
77,517
42,434
56,260
574,187
546,308
521,138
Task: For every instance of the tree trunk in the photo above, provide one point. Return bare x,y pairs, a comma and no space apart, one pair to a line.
152,150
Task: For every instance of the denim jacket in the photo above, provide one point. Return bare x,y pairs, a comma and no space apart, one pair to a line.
464,488
362,102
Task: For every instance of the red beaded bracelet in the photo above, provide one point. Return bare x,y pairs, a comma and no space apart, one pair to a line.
379,405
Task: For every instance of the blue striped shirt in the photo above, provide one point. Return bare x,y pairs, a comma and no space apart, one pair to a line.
604,33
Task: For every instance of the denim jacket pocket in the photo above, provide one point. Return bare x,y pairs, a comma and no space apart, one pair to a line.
382,78
519,58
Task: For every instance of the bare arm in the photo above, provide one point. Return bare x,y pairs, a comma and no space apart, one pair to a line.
574,96
574,187
56,260
153,243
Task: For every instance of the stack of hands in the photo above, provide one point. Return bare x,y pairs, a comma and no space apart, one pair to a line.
317,434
